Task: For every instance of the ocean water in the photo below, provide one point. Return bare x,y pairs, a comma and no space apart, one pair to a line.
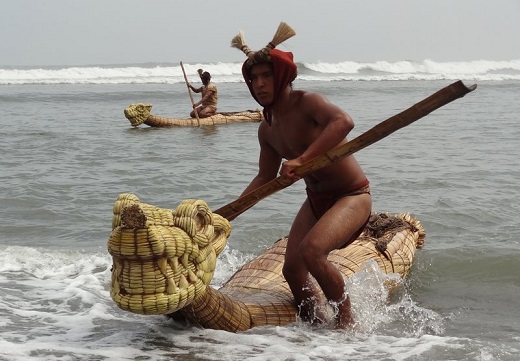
68,152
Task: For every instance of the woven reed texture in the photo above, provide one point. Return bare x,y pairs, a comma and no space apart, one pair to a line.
163,261
163,258
138,114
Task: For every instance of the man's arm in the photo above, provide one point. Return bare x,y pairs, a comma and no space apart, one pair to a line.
196,90
268,164
334,123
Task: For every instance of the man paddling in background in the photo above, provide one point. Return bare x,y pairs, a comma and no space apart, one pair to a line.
207,106
299,126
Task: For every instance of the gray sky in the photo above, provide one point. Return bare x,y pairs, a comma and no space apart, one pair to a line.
86,32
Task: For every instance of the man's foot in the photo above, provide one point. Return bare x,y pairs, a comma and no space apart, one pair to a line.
312,311
344,314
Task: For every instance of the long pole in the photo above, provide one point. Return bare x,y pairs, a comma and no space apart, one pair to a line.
378,132
191,97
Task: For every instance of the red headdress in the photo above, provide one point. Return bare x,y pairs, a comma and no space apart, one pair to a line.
284,68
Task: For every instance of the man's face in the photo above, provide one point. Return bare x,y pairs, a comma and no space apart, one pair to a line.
262,82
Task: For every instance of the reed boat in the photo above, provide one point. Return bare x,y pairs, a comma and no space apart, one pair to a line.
140,113
164,261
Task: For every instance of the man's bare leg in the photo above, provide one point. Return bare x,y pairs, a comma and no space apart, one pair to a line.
333,287
331,232
344,316
306,294
308,300
206,112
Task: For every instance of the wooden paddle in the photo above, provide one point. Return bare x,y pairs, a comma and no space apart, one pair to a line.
378,132
191,97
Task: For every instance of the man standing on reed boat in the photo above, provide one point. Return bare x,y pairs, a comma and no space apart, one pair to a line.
299,126
207,106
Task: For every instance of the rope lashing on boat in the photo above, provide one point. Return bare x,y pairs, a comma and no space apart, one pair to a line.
377,231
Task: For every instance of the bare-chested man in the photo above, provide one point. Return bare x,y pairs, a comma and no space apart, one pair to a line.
207,106
298,127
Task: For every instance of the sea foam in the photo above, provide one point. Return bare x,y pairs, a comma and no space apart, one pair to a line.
482,70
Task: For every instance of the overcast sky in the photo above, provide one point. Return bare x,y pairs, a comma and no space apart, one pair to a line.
86,32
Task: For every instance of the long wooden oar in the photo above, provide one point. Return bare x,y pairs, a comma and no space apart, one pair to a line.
191,97
378,132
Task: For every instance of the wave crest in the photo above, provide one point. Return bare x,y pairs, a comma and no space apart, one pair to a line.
169,73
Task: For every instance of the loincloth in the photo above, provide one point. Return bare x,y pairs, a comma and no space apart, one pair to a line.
322,202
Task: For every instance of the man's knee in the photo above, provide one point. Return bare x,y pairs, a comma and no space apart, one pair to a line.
310,253
208,113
